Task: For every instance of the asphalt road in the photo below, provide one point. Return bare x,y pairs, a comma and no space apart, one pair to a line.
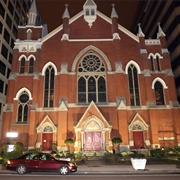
35,176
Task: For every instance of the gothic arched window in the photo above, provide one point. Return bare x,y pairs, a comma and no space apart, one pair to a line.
22,65
31,65
159,93
23,107
29,34
91,80
49,87
152,63
133,86
158,63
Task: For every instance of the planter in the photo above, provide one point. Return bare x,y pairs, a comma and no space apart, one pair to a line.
138,164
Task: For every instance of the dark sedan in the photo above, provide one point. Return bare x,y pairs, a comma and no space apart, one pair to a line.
40,162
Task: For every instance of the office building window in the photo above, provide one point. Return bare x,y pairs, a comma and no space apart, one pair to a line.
1,86
1,27
8,21
2,68
6,36
4,51
10,58
2,10
11,8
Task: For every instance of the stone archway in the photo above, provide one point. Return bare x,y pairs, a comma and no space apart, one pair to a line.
93,137
138,133
46,134
95,128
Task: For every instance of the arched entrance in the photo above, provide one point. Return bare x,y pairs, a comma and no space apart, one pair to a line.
138,136
93,132
93,137
138,133
46,134
47,138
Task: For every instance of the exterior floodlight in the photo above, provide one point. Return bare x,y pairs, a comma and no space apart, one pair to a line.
11,134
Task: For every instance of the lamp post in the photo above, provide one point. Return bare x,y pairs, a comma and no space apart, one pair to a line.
11,136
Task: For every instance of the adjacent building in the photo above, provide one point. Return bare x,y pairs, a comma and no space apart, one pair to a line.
167,13
91,80
12,14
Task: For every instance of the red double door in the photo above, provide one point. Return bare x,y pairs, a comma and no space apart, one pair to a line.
93,141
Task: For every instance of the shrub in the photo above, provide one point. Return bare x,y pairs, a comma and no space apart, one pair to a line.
10,155
32,150
19,146
116,140
157,153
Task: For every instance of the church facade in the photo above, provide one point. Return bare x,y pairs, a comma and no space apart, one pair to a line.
91,80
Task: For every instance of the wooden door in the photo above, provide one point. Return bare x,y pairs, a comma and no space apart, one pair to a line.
138,139
46,141
93,141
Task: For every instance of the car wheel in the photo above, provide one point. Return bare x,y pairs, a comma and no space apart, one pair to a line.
21,169
64,170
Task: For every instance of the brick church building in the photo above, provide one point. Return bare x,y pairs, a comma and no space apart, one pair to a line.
91,80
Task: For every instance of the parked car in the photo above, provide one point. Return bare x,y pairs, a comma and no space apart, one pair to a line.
40,162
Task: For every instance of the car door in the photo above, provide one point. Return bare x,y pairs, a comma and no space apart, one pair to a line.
32,162
47,163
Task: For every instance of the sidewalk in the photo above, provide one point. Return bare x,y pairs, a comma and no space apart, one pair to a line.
127,169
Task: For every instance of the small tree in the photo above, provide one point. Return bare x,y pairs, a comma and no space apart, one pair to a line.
116,142
69,141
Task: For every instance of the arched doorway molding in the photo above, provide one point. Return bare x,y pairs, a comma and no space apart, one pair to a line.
46,133
138,131
93,123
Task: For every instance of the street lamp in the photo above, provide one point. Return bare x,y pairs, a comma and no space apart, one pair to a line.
11,136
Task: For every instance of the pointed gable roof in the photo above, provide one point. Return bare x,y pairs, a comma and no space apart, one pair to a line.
93,111
90,3
99,14
46,122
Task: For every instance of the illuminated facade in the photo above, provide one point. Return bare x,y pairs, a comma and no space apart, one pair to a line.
91,80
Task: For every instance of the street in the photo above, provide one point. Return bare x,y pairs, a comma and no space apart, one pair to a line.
44,176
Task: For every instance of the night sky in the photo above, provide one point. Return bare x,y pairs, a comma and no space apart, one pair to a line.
52,10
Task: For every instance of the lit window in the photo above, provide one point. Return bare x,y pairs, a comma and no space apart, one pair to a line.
133,86
91,80
159,93
49,87
23,107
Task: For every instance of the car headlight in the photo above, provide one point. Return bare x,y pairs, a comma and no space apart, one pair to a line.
8,162
71,164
